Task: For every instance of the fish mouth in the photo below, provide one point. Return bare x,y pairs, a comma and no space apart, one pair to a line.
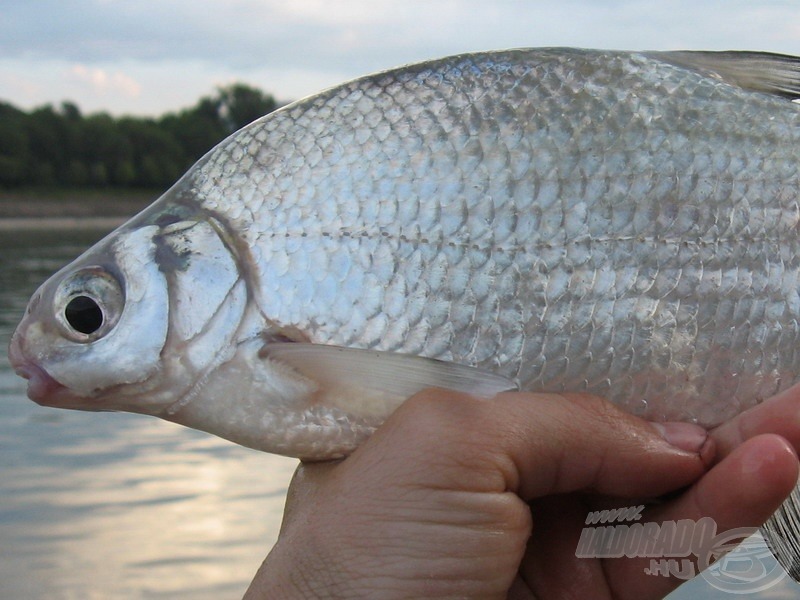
42,388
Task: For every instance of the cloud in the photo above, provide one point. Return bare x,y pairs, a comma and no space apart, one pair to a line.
104,82
357,34
176,50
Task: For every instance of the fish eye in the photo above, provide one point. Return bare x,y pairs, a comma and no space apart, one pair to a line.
88,304
84,314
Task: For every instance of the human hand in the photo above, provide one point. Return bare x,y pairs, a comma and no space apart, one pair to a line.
458,497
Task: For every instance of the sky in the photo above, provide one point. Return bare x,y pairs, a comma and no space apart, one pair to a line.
148,57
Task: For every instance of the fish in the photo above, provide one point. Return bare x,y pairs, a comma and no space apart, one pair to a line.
547,219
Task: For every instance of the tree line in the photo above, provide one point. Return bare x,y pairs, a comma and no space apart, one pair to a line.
61,147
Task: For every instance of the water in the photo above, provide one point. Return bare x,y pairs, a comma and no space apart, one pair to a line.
113,505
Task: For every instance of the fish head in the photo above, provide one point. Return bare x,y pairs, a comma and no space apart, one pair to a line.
135,322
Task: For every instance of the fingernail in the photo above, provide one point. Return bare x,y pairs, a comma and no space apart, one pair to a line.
685,436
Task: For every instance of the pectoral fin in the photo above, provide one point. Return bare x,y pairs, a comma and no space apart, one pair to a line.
371,383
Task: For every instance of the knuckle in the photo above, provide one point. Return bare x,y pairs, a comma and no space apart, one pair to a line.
446,418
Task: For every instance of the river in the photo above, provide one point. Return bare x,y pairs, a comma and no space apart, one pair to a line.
120,506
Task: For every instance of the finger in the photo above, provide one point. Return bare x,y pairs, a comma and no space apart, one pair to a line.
539,444
779,414
741,491
546,444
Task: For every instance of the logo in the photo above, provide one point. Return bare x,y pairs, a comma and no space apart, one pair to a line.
737,561
740,562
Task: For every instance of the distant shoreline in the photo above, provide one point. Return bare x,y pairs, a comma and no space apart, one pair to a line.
60,223
44,208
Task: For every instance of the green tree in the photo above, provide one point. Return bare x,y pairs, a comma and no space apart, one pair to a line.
64,147
104,146
240,104
197,129
14,148
157,157
52,146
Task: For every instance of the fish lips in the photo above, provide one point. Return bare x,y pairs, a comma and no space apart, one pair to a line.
42,388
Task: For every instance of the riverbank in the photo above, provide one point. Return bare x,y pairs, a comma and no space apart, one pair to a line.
44,204
60,223
44,209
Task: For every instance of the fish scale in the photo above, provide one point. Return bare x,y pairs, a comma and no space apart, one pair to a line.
553,219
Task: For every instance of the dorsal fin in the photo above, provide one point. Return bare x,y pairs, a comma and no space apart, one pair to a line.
777,74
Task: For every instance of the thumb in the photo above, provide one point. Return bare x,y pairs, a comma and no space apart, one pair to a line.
537,445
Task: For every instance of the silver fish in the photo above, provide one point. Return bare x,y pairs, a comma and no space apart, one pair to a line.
548,219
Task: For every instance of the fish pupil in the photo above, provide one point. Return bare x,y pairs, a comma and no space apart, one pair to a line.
84,314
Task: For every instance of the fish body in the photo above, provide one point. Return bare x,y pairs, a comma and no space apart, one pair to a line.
548,219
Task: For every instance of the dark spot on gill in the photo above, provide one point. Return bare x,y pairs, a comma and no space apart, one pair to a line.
168,258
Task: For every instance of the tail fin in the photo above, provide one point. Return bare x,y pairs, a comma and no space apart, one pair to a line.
782,533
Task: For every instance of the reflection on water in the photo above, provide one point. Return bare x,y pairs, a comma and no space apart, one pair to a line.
113,505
